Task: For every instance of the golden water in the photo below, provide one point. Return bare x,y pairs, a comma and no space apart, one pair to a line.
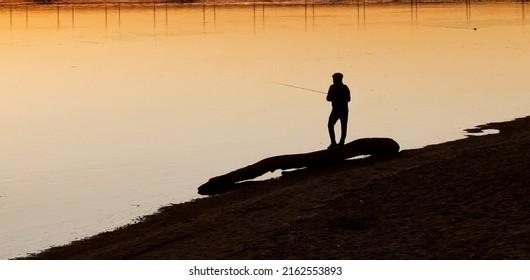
108,113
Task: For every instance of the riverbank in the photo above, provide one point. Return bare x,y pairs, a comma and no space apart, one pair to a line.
465,199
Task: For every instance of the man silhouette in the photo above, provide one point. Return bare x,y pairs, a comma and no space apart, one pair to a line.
339,96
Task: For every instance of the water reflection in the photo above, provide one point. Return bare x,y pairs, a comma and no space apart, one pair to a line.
65,14
107,107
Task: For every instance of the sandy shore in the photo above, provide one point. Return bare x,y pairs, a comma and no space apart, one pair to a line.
466,199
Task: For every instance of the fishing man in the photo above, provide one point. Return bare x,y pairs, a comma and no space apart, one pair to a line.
339,96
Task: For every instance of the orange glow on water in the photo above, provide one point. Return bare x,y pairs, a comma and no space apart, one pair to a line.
107,108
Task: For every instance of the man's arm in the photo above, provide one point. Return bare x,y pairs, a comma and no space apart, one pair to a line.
329,97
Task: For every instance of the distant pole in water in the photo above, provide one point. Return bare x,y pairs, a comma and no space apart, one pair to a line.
523,12
204,17
468,10
214,12
204,12
303,88
364,11
106,15
305,8
305,15
58,21
358,12
416,8
154,15
411,11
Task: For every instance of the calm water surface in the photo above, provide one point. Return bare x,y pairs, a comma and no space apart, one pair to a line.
108,114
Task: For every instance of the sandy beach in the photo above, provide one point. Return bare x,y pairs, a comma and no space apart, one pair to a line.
465,199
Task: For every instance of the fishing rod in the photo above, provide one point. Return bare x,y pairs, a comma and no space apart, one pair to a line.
308,89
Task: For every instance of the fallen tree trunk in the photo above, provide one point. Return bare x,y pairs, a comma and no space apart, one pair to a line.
359,147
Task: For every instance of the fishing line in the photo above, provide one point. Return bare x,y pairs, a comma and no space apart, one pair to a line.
303,88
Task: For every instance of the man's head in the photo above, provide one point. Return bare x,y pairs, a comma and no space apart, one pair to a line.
337,78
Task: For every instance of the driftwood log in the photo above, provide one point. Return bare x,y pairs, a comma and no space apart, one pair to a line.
359,147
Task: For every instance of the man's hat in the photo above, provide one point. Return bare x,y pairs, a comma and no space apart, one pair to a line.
338,75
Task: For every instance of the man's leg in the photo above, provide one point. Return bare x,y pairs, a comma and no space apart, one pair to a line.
333,118
343,128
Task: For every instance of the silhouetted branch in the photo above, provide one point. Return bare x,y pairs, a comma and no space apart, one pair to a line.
359,147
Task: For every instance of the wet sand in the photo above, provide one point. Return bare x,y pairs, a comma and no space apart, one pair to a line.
465,199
